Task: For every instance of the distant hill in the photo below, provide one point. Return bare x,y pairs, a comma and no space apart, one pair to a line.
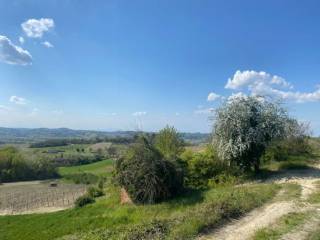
22,135
35,134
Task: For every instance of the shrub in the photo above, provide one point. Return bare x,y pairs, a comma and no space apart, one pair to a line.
222,180
169,143
146,175
95,192
84,200
201,167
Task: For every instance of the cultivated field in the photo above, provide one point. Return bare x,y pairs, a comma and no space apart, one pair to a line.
37,196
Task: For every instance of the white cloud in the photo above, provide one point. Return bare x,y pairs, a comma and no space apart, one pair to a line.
47,44
262,83
138,114
114,114
12,54
35,28
21,40
204,111
177,114
213,96
253,78
18,100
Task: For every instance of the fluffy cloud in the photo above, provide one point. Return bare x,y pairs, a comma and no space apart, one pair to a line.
262,83
12,54
18,100
213,96
47,44
255,79
35,28
138,114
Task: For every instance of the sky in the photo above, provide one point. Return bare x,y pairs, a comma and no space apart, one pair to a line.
140,65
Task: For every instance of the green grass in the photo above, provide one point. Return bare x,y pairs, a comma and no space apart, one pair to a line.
284,225
314,198
97,168
291,191
315,235
180,218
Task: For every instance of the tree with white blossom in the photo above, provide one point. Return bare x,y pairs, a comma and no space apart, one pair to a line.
244,126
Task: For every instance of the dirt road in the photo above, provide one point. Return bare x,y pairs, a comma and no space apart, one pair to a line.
245,227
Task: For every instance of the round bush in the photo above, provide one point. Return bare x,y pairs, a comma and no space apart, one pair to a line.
84,200
146,176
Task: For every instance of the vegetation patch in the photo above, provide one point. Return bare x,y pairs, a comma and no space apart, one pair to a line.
315,196
181,218
283,226
82,178
98,168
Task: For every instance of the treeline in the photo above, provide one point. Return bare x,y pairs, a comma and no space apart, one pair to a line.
15,167
62,160
66,141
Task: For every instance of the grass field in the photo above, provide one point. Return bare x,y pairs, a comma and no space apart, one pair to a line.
97,168
181,218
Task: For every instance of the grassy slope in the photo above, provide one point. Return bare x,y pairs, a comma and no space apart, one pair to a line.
183,218
96,168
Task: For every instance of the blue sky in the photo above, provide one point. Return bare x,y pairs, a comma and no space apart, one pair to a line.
126,65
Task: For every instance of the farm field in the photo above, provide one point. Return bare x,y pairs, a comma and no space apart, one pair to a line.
37,197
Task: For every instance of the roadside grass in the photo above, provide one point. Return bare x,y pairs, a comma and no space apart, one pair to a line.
180,218
290,191
314,198
315,235
284,225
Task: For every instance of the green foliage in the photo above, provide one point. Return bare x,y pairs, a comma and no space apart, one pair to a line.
169,143
95,192
282,150
75,159
84,200
244,127
14,167
223,179
82,178
146,175
201,167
